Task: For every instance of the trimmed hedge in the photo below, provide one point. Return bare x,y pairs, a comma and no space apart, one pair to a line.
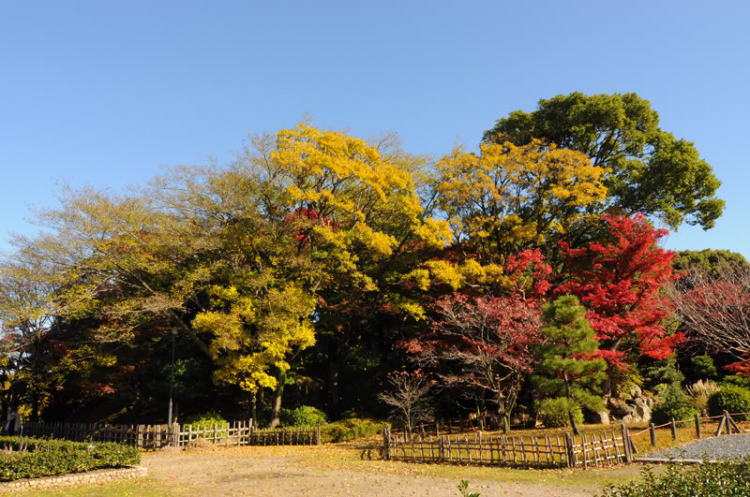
58,457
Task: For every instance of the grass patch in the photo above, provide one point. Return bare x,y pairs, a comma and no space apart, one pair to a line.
145,487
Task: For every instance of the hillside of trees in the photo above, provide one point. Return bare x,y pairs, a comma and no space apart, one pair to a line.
319,269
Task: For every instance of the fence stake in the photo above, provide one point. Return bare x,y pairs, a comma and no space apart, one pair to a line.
652,430
626,443
729,425
175,435
386,442
318,441
673,427
697,426
569,451
721,426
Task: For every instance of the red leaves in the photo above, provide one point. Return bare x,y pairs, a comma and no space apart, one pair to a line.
618,280
528,268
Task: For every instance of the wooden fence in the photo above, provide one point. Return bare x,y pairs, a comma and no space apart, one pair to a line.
594,450
725,424
151,437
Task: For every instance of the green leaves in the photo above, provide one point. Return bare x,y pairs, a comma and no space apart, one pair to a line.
649,170
567,363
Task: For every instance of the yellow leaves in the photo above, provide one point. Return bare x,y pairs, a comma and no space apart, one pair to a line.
434,232
509,195
380,244
456,275
250,335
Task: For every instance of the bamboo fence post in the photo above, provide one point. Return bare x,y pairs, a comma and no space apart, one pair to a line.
673,428
626,443
633,448
479,437
583,450
617,448
728,424
697,426
386,444
721,426
652,432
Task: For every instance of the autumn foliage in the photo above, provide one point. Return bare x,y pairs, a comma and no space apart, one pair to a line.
318,263
618,279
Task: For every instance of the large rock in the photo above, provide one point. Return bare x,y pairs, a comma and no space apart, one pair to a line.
636,410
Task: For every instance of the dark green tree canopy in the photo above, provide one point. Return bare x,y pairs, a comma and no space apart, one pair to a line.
651,171
709,261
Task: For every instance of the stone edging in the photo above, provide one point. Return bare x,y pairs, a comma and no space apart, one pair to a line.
74,479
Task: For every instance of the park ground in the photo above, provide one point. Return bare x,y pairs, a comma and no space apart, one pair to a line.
337,470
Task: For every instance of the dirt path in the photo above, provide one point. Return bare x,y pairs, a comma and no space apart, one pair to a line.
323,472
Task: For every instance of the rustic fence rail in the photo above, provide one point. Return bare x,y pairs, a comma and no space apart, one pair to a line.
151,437
594,450
725,422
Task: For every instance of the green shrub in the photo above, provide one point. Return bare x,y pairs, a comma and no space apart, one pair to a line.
206,420
675,404
730,398
57,457
554,412
702,367
740,381
303,416
350,429
724,479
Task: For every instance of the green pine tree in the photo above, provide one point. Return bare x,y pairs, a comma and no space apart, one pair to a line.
566,364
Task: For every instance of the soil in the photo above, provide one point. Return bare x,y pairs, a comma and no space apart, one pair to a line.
319,472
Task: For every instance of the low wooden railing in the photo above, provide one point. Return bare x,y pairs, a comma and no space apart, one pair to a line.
150,437
594,450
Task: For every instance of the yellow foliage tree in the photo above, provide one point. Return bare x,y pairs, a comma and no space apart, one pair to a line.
508,198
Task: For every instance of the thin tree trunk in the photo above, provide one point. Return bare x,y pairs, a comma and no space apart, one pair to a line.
278,394
333,378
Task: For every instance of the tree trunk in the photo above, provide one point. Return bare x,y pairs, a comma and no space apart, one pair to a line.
254,408
277,396
505,420
334,367
573,422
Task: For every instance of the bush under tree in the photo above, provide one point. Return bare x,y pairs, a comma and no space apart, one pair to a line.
730,398
556,413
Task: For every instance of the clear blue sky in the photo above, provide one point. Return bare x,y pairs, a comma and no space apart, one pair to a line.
105,92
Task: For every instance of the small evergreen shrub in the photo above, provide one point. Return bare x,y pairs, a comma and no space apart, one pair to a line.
554,412
675,404
730,398
58,457
303,416
703,368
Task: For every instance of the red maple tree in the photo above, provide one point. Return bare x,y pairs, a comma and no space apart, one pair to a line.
619,280
483,346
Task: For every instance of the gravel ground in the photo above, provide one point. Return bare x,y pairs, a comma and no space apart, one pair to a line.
722,447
